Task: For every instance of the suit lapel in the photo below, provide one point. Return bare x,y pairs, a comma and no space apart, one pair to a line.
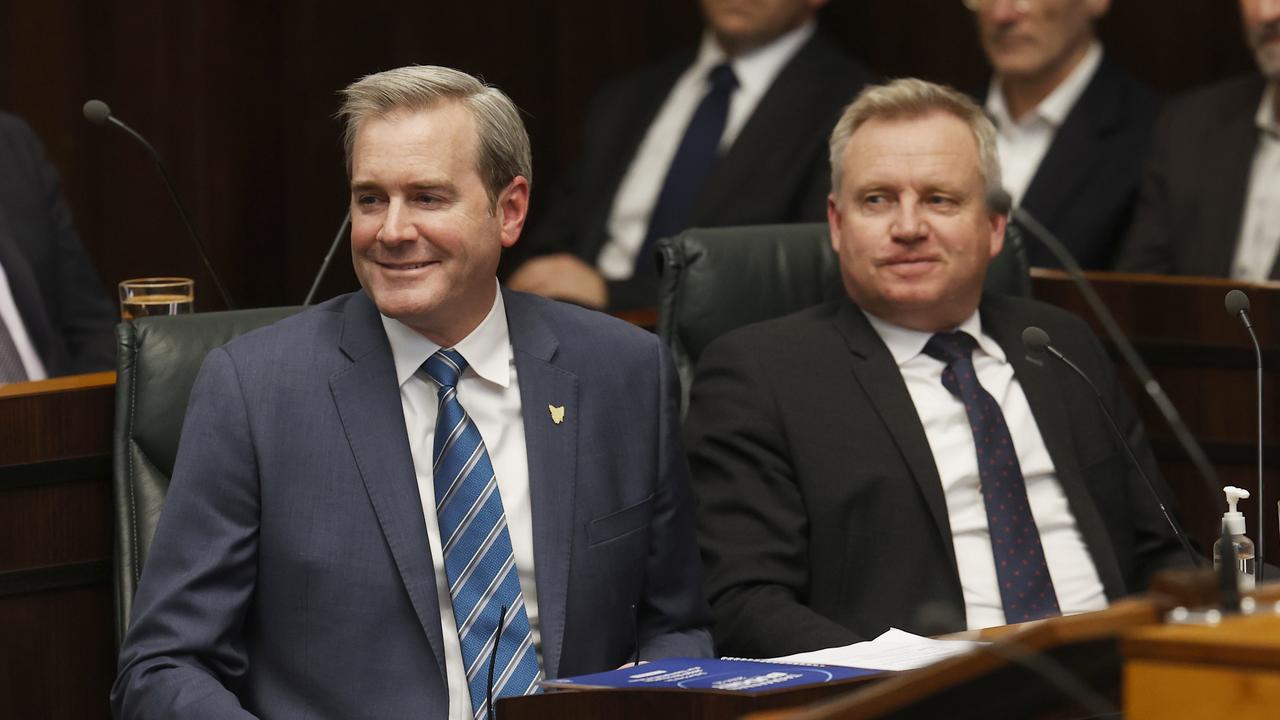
1049,394
26,297
1234,140
881,381
368,401
545,390
1078,147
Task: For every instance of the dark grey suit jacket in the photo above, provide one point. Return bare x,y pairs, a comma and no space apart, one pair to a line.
821,515
775,172
1193,191
1085,187
54,285
290,574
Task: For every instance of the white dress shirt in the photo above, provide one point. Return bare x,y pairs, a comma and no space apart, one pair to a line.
490,393
1260,227
18,331
1075,579
638,192
1023,143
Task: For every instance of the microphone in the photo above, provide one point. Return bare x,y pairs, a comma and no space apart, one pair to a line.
1000,202
97,112
328,258
1238,307
1037,341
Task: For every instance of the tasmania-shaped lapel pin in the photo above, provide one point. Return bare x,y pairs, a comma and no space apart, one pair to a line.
557,413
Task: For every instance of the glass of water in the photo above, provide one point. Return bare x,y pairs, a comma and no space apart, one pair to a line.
144,297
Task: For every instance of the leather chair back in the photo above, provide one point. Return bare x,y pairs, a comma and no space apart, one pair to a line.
158,359
712,280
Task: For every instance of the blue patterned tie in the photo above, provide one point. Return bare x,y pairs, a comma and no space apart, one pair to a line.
477,548
1026,590
691,166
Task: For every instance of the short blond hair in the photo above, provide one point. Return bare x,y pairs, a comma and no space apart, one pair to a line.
909,98
503,143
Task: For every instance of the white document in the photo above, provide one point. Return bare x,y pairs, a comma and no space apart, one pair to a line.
894,650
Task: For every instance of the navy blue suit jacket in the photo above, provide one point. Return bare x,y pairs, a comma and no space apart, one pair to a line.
290,574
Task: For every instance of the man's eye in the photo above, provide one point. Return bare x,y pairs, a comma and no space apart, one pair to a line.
366,199
940,200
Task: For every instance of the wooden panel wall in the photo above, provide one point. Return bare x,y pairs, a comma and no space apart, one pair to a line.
238,96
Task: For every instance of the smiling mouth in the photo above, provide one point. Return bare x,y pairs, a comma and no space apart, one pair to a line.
406,266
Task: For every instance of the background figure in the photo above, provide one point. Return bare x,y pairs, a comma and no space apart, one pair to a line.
730,135
863,460
361,488
54,318
1210,201
1073,127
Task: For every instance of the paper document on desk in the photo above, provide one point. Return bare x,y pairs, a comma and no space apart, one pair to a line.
894,650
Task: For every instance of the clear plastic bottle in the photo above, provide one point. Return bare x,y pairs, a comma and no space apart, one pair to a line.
1233,522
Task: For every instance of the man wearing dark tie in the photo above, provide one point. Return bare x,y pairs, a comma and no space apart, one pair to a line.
894,457
380,497
730,135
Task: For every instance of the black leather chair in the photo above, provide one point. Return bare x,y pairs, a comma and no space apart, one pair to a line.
712,280
157,359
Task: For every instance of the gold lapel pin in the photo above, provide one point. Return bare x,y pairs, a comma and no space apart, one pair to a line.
557,413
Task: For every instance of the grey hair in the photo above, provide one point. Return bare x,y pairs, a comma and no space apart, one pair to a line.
503,143
909,98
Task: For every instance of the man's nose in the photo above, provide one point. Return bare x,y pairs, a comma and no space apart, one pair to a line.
398,226
908,224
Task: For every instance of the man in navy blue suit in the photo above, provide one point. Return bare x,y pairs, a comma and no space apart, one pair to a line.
375,497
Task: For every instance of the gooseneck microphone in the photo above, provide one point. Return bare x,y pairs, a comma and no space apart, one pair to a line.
1238,307
97,112
328,258
999,201
1037,341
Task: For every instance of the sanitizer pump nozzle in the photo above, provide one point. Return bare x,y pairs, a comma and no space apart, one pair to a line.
1233,523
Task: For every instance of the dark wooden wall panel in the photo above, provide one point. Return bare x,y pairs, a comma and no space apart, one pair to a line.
239,95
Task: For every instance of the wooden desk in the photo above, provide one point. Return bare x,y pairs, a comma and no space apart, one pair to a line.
57,646
1231,670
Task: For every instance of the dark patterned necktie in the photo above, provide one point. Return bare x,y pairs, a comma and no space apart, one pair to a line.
11,368
1026,590
478,558
691,166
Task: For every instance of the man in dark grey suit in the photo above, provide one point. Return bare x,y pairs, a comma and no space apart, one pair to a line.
1073,126
1210,201
894,458
730,135
376,496
62,315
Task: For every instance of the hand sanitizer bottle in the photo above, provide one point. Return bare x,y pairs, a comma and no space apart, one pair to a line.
1233,522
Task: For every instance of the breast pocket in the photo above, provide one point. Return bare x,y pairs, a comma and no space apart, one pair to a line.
619,523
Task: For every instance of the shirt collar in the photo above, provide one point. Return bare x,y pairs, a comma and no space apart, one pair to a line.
487,349
1266,117
906,345
1057,105
755,69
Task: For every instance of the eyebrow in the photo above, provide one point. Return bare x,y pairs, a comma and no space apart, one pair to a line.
364,185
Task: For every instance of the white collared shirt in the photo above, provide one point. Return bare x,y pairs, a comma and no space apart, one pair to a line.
18,331
956,457
489,391
1024,143
1260,227
638,192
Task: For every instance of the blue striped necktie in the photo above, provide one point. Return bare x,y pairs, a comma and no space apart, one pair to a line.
1026,589
477,548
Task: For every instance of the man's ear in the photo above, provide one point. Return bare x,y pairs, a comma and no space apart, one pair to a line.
999,224
512,208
